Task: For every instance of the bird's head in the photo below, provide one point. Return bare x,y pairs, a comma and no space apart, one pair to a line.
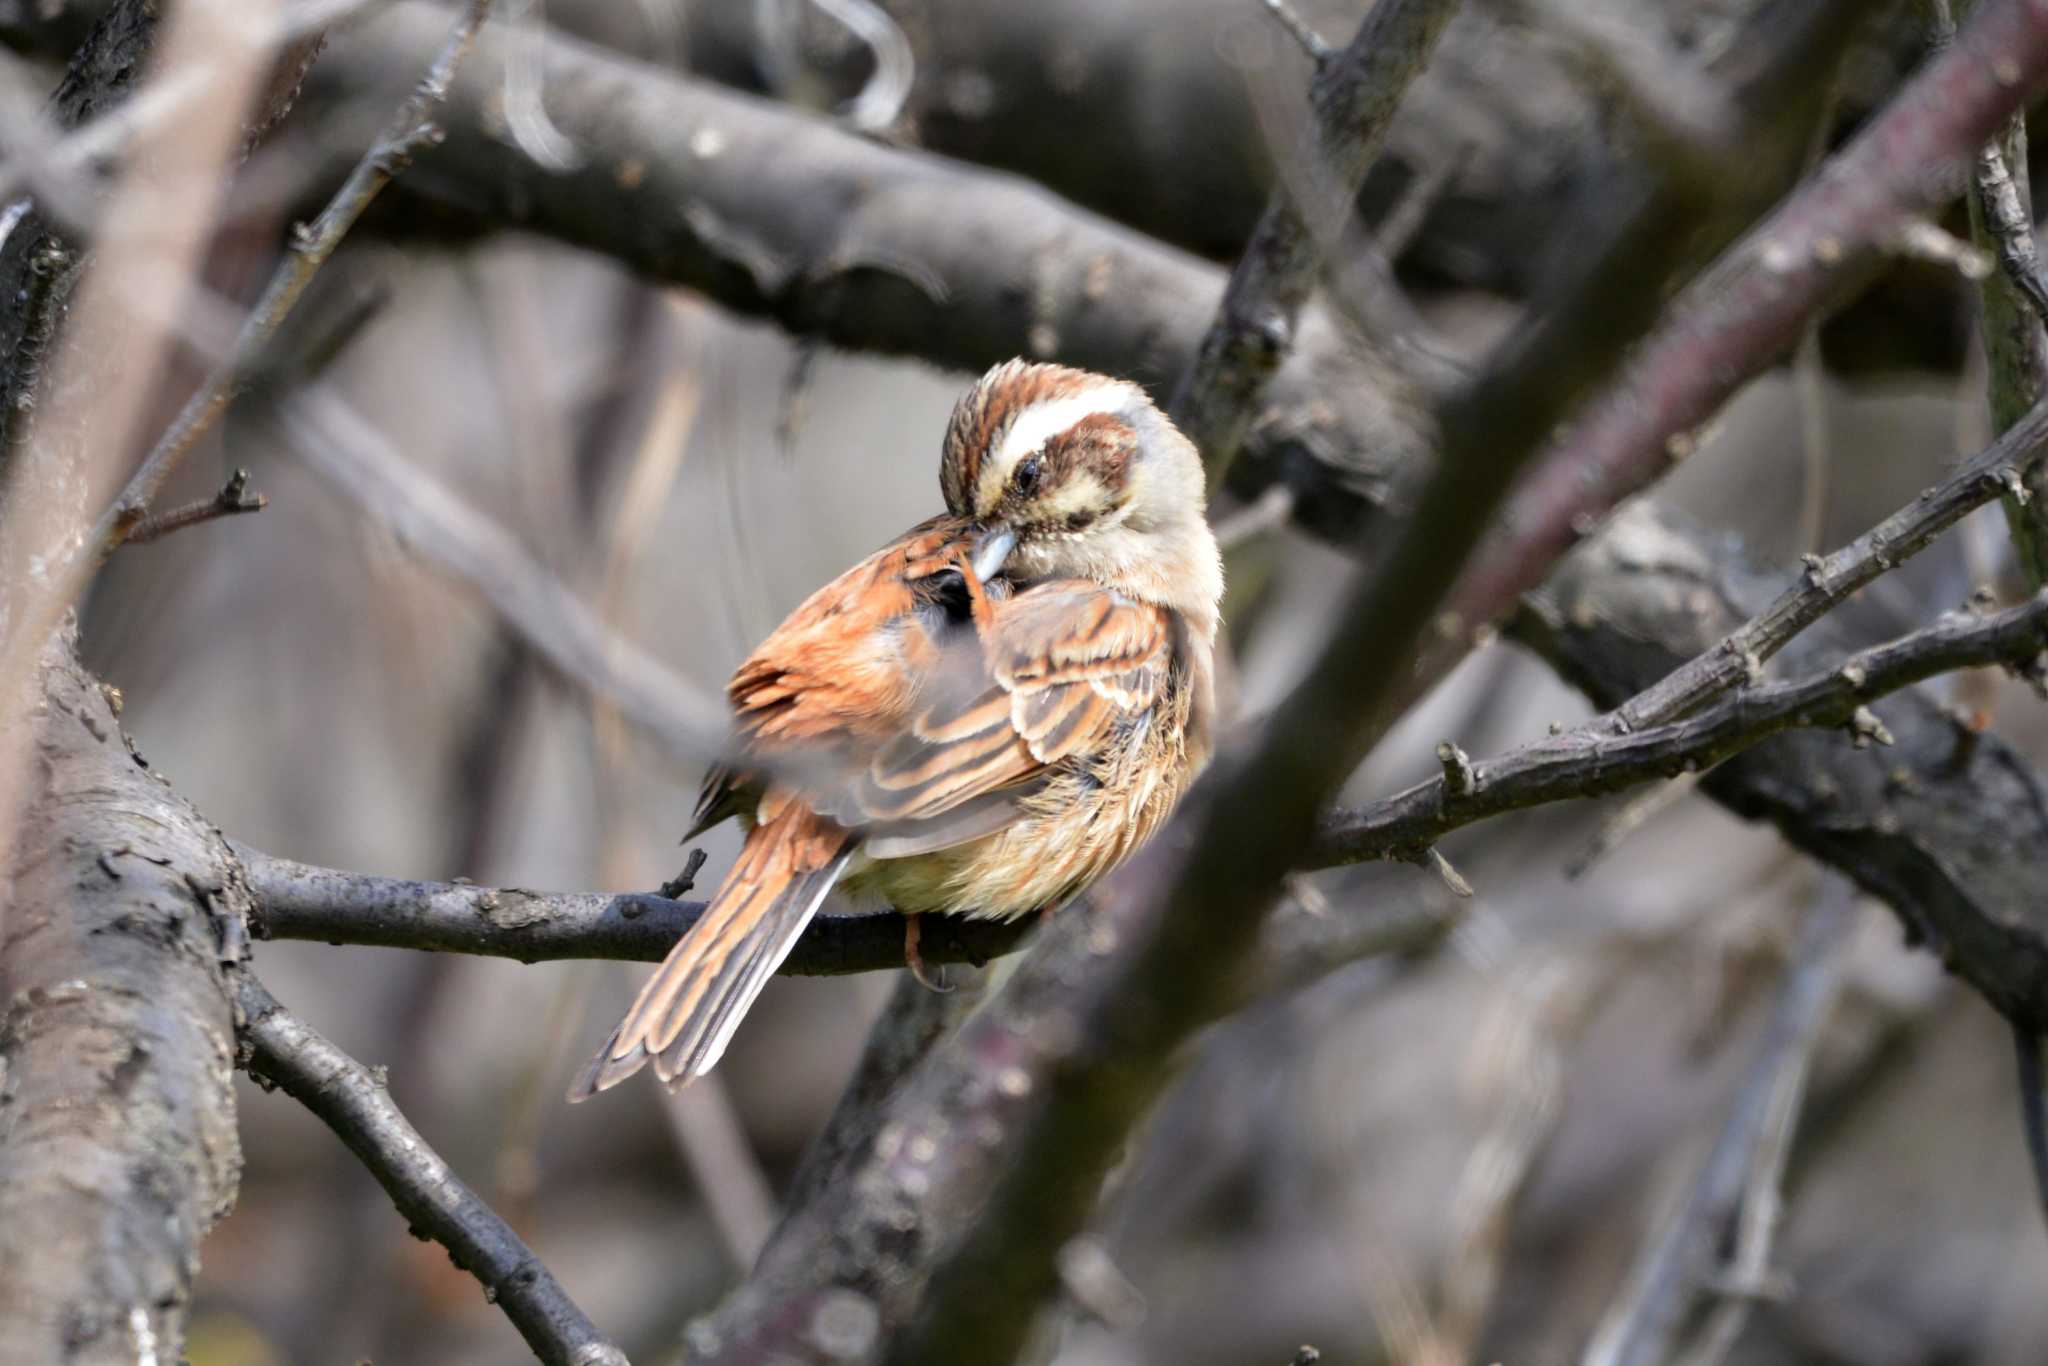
1076,475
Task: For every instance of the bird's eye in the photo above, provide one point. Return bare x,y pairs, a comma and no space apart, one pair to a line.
1026,477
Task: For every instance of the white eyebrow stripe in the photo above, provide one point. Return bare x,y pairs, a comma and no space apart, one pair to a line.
1038,424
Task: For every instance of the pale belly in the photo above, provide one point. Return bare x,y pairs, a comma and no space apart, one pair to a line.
1072,833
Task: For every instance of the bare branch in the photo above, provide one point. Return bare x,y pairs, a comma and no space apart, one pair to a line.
1830,580
233,499
1752,306
118,1145
1300,30
2033,1096
300,901
352,1101
1352,102
1677,1270
409,131
574,640
1590,760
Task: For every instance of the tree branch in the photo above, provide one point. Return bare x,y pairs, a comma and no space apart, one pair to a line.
300,901
1183,916
117,1119
409,131
1949,825
918,255
1589,761
1677,1270
352,1101
1352,102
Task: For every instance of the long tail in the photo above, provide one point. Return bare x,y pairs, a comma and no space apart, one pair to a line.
684,1016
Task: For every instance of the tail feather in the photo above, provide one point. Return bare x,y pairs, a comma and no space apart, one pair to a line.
686,1013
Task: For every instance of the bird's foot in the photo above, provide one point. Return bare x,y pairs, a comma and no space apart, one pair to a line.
912,959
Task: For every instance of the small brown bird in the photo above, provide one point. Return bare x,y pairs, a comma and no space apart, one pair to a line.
982,717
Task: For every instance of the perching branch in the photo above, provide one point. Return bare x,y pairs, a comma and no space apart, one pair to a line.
1352,101
352,1101
300,901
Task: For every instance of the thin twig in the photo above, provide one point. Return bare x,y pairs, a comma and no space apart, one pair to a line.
1739,316
1249,523
1352,102
1829,580
351,1100
1300,30
234,498
409,131
1588,760
1644,1326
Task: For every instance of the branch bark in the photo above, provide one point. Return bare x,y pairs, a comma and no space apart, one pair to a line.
1949,826
353,1102
117,1120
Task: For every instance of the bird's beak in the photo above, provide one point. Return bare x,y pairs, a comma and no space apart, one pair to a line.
995,547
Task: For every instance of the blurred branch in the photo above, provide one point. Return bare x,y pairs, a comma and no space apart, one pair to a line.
118,1140
1827,238
1677,1271
2011,308
1352,101
409,131
300,901
357,459
2033,1096
351,1100
917,256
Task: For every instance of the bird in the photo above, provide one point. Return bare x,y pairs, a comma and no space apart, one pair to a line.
982,717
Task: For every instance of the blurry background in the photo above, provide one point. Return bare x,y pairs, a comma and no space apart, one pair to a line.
1453,1156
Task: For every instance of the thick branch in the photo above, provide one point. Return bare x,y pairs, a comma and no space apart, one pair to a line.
117,1120
353,1102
